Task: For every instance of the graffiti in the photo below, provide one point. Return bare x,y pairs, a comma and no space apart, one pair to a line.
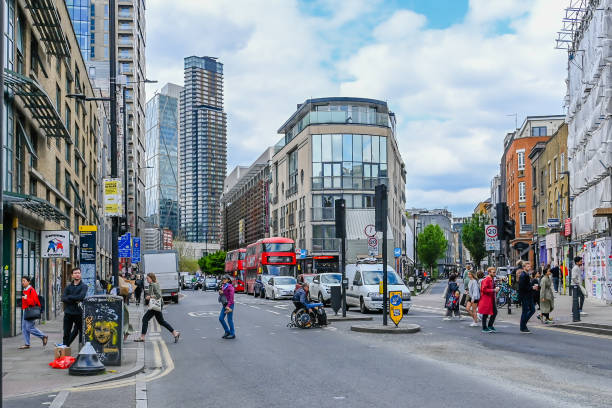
102,326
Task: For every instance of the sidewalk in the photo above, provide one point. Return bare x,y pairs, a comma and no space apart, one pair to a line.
597,313
28,371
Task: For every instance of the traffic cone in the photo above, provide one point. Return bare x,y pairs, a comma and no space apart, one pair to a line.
87,362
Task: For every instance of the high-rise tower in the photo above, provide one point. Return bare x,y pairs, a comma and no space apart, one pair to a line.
202,149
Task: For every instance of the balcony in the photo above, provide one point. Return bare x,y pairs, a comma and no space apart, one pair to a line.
291,191
325,245
323,214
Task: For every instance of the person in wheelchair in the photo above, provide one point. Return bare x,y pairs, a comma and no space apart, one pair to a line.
300,299
306,314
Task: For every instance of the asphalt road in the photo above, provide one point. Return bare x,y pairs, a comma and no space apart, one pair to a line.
446,364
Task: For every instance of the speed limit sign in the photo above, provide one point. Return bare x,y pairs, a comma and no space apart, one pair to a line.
491,231
491,238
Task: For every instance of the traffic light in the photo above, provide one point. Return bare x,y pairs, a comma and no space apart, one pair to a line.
509,227
500,214
340,213
380,206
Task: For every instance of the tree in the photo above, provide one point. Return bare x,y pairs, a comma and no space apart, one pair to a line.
188,265
213,264
473,236
431,245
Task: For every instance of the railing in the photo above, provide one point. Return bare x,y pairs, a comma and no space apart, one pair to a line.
352,183
324,245
291,191
323,213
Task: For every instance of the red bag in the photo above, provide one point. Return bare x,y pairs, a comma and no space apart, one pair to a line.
62,362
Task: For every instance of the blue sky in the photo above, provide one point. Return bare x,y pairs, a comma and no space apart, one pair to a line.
451,70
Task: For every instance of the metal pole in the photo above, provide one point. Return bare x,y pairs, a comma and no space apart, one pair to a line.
136,201
343,266
125,161
113,135
384,249
2,300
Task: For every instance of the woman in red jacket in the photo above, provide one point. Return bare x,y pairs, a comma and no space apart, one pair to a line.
29,298
486,305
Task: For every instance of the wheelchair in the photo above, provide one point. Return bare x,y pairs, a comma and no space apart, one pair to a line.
304,319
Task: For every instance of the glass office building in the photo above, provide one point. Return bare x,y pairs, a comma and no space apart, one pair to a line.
79,11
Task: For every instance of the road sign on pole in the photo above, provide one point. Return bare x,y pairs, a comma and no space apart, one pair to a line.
396,310
491,238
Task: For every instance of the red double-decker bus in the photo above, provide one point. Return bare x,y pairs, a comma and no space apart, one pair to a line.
269,256
234,266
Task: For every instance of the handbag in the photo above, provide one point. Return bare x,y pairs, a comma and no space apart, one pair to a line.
223,300
32,313
463,300
583,290
155,304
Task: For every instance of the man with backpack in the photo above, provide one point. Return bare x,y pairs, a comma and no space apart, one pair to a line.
451,296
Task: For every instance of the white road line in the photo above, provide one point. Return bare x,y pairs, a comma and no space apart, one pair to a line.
272,311
59,400
255,307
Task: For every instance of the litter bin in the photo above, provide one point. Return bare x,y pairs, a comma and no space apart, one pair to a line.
103,326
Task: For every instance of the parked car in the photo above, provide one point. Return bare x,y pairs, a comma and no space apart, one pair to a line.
210,284
304,277
364,278
321,285
280,287
259,288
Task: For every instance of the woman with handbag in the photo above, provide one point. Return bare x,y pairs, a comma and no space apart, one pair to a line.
547,296
226,298
31,310
154,297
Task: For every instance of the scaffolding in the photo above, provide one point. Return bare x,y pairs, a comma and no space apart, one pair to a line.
577,17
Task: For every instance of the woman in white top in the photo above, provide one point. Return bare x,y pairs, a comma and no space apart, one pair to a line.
474,297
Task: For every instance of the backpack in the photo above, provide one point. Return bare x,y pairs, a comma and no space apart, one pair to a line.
452,299
296,297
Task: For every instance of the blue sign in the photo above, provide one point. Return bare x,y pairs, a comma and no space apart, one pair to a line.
396,300
136,250
397,252
125,250
303,253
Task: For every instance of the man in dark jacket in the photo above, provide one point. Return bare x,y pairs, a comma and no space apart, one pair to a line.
72,297
526,295
555,276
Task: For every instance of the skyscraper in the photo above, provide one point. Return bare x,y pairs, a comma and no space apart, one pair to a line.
162,127
90,19
202,149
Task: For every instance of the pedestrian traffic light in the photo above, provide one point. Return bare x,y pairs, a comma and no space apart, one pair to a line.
340,213
380,206
509,227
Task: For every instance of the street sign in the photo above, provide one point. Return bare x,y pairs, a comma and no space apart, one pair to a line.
136,250
125,250
54,244
87,257
396,310
553,223
112,197
370,230
303,253
491,238
373,246
397,252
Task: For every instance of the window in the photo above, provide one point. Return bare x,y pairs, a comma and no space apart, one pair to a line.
520,155
68,153
538,131
67,185
562,164
556,169
550,174
522,192
523,219
57,173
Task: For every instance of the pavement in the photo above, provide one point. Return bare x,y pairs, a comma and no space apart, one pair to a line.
22,366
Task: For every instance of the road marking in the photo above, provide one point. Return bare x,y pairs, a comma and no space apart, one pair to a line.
281,306
272,311
254,307
203,314
59,400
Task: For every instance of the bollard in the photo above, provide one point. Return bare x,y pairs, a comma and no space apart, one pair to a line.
575,304
87,362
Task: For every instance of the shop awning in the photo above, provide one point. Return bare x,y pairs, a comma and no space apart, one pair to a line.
47,20
38,206
38,103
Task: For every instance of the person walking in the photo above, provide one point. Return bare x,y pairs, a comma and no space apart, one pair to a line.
547,297
466,278
555,271
535,281
451,298
139,288
73,295
473,298
486,304
226,298
155,303
29,302
577,288
526,295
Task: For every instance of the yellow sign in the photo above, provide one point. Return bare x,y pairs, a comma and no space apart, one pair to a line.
380,287
88,228
112,197
396,309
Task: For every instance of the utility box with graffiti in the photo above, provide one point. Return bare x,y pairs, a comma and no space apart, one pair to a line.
103,326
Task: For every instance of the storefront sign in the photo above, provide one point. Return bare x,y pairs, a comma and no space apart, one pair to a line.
553,223
87,257
568,227
112,197
55,244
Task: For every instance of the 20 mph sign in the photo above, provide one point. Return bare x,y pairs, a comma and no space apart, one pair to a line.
491,241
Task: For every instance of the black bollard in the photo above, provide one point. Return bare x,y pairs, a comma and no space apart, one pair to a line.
575,304
87,362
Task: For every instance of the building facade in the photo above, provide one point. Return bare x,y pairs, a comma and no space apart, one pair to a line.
52,156
162,129
535,129
244,204
79,11
444,219
202,150
335,148
550,190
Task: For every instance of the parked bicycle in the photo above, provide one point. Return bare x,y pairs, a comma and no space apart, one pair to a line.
506,294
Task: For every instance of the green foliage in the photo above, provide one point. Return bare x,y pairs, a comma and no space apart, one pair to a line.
188,265
213,264
431,245
473,237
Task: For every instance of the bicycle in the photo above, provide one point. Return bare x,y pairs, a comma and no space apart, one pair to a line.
506,293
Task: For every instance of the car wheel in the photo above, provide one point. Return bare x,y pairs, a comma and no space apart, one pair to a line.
362,307
321,300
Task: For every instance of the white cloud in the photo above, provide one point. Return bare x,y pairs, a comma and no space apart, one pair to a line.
451,89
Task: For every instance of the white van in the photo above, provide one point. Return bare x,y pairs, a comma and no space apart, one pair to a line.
363,285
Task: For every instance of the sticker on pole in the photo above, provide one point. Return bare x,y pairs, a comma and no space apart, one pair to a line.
491,238
396,310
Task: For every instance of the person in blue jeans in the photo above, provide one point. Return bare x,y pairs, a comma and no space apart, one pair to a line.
526,295
226,297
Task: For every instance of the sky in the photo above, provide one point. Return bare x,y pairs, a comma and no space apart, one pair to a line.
455,72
